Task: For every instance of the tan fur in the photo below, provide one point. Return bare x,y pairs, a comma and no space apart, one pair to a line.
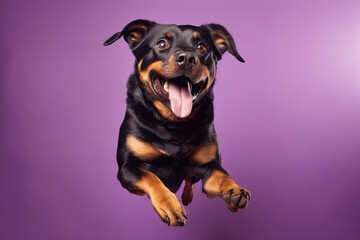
221,41
144,74
215,183
163,200
143,150
136,37
188,192
203,154
205,73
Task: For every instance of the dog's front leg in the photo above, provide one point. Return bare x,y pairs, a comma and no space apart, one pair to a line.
218,183
163,200
132,152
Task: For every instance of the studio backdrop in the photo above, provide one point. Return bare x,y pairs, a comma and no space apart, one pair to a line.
288,120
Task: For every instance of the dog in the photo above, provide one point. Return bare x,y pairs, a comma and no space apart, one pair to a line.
168,135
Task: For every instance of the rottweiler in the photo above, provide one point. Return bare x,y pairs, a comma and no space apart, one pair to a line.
167,135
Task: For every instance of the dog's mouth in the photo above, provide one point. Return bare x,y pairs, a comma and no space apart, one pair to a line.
181,92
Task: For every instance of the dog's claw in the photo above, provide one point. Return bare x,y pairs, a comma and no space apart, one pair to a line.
180,222
167,220
248,196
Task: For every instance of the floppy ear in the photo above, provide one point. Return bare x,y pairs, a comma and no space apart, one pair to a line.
223,40
133,33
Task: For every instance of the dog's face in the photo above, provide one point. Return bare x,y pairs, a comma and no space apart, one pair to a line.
176,65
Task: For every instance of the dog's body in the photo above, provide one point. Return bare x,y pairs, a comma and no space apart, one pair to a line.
168,134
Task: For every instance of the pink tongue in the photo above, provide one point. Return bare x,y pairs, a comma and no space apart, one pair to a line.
180,100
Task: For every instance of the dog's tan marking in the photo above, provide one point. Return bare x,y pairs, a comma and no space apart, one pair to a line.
136,34
217,182
222,42
203,74
166,70
144,74
196,35
188,192
135,37
168,34
203,154
143,150
163,200
206,73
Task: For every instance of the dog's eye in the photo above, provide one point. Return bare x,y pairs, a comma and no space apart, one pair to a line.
163,44
201,47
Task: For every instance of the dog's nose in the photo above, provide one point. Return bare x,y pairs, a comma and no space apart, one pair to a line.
185,60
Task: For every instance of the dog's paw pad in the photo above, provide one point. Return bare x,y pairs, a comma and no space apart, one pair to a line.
227,196
236,198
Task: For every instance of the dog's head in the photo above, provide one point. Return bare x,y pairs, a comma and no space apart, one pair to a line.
176,65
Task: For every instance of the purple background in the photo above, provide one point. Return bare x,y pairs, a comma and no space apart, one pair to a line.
288,120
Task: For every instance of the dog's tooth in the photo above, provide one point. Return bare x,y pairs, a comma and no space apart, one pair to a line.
189,86
166,86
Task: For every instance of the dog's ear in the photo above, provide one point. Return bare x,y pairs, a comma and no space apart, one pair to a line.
223,40
133,33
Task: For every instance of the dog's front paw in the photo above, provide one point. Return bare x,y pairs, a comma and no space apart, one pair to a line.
169,209
235,197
